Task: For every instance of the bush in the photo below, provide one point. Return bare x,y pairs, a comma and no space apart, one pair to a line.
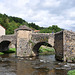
72,72
1,53
46,50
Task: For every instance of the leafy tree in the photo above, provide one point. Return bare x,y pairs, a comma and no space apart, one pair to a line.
50,29
11,23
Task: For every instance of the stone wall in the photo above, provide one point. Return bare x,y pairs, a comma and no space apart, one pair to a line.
58,45
11,38
6,40
39,39
43,37
65,46
51,39
23,45
69,46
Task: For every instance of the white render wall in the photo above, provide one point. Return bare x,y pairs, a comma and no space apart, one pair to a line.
2,31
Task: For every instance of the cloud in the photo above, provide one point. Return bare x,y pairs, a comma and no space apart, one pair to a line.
50,3
42,12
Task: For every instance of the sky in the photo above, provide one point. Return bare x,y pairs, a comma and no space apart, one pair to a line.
44,13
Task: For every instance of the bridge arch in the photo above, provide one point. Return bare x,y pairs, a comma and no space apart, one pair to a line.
4,45
38,45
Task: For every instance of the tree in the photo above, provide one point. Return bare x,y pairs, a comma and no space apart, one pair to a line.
50,29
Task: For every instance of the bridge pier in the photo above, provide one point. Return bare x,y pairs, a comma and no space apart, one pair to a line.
23,45
65,46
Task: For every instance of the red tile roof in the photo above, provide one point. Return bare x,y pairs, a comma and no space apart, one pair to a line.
3,27
36,31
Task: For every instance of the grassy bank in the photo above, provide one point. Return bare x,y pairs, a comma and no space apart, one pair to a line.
46,50
42,51
71,72
11,50
1,53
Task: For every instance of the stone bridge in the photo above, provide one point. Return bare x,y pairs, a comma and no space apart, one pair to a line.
28,43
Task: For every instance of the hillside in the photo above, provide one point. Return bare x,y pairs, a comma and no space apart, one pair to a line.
11,23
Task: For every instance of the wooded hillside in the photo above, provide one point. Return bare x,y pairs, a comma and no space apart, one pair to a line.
11,23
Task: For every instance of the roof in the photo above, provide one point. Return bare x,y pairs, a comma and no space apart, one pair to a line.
3,27
23,27
36,31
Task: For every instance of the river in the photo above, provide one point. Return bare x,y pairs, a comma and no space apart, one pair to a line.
41,65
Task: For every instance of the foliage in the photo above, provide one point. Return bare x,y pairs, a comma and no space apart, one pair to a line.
71,72
50,29
34,26
11,23
46,50
1,53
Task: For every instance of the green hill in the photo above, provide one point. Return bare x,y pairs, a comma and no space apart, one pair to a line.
11,23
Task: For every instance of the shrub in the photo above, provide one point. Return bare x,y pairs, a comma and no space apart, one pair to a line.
1,53
71,72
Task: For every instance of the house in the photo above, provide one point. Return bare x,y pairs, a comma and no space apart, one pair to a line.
2,30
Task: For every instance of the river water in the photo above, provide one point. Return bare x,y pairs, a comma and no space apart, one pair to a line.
41,65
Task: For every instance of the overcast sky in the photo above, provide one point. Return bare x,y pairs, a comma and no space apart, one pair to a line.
42,12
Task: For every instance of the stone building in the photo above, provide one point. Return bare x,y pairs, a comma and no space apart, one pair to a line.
2,30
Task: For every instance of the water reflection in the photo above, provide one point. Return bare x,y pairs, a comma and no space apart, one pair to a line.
42,65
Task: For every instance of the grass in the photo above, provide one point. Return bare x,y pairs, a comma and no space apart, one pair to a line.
1,53
11,50
71,72
46,50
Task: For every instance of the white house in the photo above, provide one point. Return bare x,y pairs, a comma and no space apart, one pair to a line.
2,30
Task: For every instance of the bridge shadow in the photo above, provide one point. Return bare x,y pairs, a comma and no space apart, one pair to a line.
5,45
38,45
